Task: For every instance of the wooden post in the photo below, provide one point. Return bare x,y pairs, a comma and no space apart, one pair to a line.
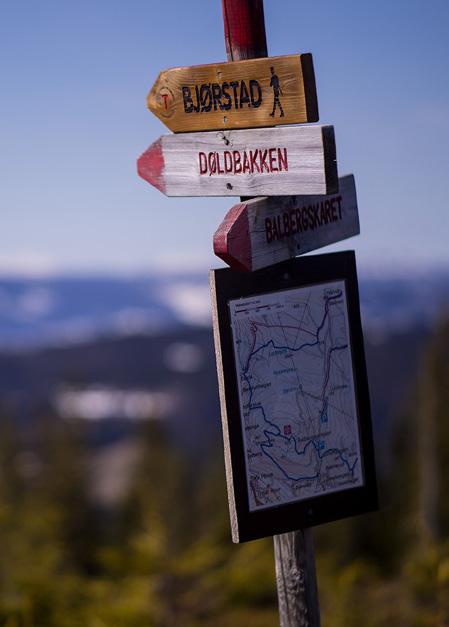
244,31
296,579
244,26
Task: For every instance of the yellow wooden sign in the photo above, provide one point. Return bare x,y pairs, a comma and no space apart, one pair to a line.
241,94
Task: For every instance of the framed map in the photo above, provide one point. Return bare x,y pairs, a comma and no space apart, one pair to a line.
294,395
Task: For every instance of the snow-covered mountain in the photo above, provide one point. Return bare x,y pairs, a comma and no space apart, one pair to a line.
64,310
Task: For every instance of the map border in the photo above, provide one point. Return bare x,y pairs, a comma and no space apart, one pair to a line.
289,291
227,285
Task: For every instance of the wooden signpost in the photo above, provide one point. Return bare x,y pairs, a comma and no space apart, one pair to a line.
288,338
260,232
295,411
243,94
268,162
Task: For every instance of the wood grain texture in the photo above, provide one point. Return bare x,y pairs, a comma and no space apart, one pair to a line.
232,241
268,162
243,94
296,579
264,231
244,29
218,342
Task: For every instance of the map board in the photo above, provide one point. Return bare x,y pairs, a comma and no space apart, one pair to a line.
301,432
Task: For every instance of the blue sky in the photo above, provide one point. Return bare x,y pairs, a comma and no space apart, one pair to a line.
74,80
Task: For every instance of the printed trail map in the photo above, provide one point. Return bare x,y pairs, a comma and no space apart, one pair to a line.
296,392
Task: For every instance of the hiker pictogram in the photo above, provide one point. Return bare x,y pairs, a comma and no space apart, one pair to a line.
277,91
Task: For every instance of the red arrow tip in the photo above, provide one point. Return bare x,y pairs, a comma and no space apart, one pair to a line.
150,165
232,241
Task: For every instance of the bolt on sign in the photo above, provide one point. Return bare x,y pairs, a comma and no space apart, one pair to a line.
269,162
294,395
263,231
240,94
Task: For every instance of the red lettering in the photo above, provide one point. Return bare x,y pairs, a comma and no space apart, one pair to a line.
286,221
220,171
283,160
237,161
339,199
260,161
263,160
165,97
203,162
312,213
268,230
227,161
320,217
293,223
299,221
327,211
277,227
334,210
246,166
305,218
212,163
254,164
272,152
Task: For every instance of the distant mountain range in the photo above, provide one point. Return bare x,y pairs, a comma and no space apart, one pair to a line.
114,382
67,310
114,350
62,311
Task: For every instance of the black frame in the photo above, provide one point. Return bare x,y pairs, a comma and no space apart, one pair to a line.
227,285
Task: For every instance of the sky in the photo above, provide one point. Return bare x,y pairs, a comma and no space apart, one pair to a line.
73,120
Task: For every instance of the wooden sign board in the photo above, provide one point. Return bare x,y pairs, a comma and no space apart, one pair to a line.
264,231
241,94
294,395
266,162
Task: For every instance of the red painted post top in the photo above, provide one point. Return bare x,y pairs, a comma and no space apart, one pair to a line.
244,25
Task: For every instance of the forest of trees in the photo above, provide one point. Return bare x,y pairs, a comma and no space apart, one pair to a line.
164,556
